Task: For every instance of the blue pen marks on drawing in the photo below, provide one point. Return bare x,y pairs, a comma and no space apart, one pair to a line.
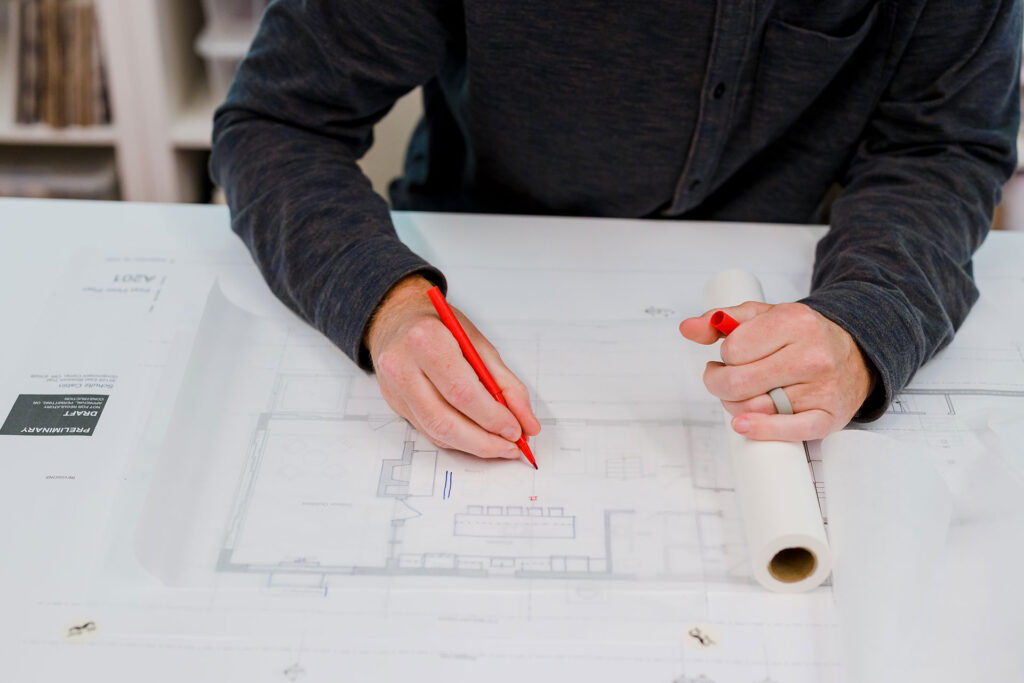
447,491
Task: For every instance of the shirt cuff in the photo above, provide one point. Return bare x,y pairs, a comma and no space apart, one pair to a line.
880,324
359,282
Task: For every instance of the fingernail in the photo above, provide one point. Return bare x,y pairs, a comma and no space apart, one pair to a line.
511,433
741,425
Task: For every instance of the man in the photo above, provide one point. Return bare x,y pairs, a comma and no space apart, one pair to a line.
735,110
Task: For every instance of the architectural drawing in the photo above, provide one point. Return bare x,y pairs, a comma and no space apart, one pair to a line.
314,532
632,486
630,489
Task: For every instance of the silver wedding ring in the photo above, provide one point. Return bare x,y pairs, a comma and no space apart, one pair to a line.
781,401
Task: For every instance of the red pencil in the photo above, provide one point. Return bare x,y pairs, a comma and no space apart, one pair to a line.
723,322
453,325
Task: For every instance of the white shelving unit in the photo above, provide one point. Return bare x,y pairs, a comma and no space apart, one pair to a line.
162,105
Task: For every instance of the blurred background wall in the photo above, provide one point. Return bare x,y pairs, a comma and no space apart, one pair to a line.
114,99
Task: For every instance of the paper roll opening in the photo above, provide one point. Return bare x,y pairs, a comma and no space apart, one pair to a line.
790,565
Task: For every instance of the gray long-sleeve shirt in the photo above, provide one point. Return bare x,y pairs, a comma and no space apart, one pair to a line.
740,110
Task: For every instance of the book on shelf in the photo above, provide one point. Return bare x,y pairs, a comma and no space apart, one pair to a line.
61,75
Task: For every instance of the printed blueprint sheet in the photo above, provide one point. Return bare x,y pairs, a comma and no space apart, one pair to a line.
633,488
278,523
332,483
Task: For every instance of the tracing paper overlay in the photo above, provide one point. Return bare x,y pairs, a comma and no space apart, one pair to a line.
250,507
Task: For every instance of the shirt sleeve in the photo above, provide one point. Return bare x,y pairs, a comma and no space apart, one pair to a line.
894,270
318,76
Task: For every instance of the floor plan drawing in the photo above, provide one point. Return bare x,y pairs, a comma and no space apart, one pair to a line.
335,484
634,487
251,509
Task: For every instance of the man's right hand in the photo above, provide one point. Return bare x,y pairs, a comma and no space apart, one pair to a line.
425,378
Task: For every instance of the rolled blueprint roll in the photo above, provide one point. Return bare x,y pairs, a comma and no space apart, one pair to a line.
785,534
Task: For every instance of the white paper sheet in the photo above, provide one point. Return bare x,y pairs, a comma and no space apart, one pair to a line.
223,526
889,513
106,332
224,620
926,581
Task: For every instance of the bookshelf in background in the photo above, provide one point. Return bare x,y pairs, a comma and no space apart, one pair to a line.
142,76
202,55
167,63
53,94
59,79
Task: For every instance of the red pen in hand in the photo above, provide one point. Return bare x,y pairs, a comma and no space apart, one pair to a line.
723,322
453,325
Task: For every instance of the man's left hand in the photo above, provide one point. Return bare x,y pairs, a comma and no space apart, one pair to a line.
792,346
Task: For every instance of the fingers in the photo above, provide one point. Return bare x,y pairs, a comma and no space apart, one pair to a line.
699,329
515,392
744,382
762,335
461,388
425,378
447,427
817,362
810,424
764,329
517,396
761,403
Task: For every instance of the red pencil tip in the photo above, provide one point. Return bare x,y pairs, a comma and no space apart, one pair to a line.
524,446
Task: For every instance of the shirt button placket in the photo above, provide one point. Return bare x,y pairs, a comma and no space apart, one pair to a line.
724,61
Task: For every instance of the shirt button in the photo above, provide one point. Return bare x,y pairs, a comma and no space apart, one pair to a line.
718,91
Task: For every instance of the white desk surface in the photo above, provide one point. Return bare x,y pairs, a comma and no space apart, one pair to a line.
40,236
641,265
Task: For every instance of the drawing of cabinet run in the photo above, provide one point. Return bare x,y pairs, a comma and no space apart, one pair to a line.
330,494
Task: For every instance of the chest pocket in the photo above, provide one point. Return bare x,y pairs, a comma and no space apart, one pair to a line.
795,68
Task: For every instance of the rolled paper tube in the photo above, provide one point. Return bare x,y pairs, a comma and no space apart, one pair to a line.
785,534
